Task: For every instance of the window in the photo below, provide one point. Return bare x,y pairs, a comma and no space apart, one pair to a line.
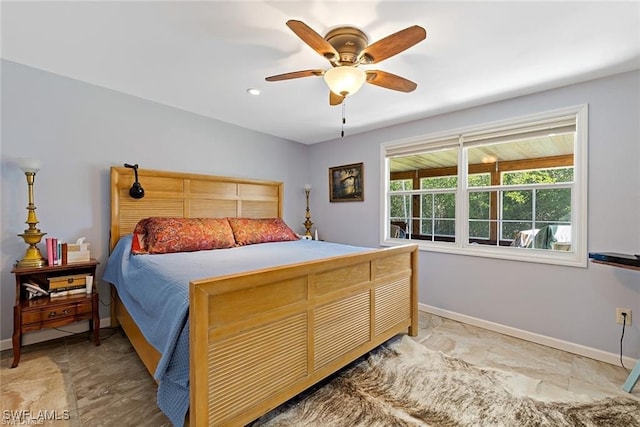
521,193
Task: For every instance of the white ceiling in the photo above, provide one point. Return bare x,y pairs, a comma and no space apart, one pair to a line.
203,56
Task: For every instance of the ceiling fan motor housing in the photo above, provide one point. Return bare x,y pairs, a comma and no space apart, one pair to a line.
348,42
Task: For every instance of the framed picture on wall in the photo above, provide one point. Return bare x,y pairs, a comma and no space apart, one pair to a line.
346,183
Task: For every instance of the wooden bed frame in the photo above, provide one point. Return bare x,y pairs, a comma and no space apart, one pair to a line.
259,338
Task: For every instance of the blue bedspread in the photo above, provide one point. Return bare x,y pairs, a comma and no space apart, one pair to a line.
155,291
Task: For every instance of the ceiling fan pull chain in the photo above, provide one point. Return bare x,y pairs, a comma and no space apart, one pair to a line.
344,120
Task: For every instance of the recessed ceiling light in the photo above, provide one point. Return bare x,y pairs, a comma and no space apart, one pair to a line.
253,91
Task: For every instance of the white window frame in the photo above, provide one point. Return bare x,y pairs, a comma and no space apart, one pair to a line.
577,257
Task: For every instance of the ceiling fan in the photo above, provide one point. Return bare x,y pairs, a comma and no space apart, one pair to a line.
348,47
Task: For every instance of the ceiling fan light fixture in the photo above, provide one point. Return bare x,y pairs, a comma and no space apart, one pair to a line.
345,80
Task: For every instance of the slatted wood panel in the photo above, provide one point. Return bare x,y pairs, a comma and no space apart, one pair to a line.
256,191
208,208
340,327
246,368
392,294
133,210
257,209
174,194
393,304
215,190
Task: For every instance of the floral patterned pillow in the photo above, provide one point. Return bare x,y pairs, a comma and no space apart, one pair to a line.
248,231
137,244
158,235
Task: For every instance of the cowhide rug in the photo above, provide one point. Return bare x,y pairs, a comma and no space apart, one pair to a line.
402,383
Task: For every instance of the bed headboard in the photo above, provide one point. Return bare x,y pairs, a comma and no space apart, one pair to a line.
187,195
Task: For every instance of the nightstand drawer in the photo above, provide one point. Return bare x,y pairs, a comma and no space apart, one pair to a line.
57,314
30,317
84,307
52,313
49,317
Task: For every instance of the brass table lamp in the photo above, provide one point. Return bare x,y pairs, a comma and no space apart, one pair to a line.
32,235
307,223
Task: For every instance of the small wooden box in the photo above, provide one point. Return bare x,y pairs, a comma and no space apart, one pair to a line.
63,282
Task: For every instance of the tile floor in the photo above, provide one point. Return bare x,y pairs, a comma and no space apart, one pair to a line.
83,385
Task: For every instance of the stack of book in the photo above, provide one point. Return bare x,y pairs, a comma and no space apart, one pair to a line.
61,253
56,251
67,285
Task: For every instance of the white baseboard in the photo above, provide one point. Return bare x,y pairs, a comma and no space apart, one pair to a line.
570,347
50,334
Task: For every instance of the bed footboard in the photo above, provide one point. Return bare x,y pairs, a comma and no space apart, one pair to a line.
257,339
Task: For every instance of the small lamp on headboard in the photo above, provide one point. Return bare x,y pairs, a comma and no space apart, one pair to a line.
136,191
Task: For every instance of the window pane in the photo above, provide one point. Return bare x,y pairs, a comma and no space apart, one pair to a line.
437,215
539,176
426,227
439,182
522,153
400,207
444,205
479,229
445,227
479,215
444,210
517,215
426,210
426,205
510,230
401,185
480,205
399,213
479,179
553,206
549,218
517,205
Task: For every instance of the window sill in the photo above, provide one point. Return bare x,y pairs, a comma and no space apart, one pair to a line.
564,258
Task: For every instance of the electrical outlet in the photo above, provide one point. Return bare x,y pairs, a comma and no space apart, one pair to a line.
620,318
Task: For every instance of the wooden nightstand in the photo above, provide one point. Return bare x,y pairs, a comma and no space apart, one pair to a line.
45,312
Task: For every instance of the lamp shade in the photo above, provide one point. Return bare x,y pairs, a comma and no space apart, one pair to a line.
29,165
345,80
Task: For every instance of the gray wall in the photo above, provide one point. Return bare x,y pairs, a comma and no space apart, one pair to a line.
571,304
79,131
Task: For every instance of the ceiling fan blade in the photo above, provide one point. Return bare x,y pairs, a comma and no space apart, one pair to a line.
392,45
335,99
390,81
313,39
295,75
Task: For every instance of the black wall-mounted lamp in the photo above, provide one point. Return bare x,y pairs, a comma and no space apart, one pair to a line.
136,191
